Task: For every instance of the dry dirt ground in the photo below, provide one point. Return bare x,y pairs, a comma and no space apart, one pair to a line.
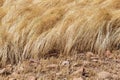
82,66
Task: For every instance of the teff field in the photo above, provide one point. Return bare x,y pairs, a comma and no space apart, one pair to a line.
36,29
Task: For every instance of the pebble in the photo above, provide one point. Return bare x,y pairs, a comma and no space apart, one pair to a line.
103,75
89,54
78,78
31,78
65,63
108,53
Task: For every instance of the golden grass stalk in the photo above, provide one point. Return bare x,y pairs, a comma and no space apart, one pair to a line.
34,28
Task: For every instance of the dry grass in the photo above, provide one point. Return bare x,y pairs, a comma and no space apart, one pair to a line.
36,28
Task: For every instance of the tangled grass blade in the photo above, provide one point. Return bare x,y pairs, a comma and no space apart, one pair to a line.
34,28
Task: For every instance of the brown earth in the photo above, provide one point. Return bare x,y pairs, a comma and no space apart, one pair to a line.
82,66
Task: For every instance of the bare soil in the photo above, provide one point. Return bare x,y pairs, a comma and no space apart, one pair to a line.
82,66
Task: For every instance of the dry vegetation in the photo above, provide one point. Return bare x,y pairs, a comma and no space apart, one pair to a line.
43,29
